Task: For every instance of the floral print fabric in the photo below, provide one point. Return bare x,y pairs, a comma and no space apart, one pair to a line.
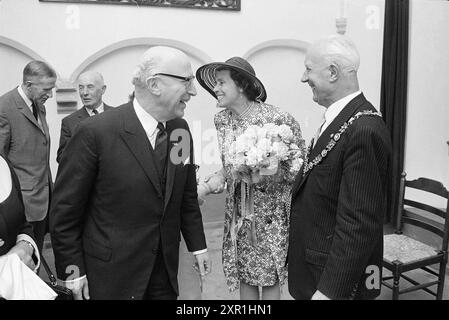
262,264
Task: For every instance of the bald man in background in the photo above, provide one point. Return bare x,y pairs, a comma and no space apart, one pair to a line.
91,88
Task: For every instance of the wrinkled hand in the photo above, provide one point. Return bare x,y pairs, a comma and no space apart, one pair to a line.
80,288
25,253
203,264
216,182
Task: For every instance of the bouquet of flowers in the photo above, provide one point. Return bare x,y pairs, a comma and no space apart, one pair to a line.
261,150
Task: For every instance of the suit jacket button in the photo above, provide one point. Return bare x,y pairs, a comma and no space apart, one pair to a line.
1,242
154,251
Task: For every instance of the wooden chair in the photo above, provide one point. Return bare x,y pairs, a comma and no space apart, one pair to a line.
403,253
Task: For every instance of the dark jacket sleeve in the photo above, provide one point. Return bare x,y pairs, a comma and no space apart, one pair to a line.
76,176
191,218
65,136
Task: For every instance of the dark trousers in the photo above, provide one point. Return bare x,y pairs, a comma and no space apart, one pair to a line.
40,229
159,287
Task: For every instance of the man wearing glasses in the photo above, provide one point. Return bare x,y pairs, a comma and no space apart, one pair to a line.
25,141
125,191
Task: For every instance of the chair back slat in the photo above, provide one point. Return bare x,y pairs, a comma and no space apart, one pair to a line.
424,219
417,221
407,216
428,185
425,207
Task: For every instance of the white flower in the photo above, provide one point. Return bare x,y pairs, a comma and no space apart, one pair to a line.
251,157
296,164
281,150
285,132
264,145
251,132
294,146
239,160
262,133
272,129
242,144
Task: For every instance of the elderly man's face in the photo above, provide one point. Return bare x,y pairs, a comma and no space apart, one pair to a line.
176,92
39,89
91,90
317,75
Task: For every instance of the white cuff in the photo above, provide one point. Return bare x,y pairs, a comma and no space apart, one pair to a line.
73,280
27,238
195,253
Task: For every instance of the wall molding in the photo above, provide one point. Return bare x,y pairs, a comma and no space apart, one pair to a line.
276,43
21,47
150,42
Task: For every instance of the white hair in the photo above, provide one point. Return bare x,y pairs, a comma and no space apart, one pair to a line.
151,61
339,49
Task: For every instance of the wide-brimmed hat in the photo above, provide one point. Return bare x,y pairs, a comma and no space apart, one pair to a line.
206,75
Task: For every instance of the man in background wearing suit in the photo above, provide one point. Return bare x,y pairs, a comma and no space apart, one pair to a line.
339,198
122,195
91,88
25,141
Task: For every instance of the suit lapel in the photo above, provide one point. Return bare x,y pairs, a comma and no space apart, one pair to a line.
25,110
83,114
171,168
135,137
43,116
348,111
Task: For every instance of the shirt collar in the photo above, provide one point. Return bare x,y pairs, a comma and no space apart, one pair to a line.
24,96
149,124
100,109
335,108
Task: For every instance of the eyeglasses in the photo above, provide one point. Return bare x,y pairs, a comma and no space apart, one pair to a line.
185,79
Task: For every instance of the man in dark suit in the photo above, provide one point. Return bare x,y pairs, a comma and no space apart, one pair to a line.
339,198
125,191
91,88
25,141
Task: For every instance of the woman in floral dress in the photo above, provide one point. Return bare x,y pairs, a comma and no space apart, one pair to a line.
254,246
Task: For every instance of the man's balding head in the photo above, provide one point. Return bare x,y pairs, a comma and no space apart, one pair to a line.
331,69
159,59
91,89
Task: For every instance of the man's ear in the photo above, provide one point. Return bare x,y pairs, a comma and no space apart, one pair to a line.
27,85
153,86
103,89
334,72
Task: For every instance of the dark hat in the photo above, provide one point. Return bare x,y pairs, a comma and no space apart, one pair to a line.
206,75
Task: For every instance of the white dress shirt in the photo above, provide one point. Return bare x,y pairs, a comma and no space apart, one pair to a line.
149,124
99,109
335,108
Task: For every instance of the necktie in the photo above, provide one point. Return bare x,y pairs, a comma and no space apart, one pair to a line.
317,134
160,151
94,111
35,114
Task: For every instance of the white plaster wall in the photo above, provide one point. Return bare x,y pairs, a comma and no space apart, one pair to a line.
427,153
66,35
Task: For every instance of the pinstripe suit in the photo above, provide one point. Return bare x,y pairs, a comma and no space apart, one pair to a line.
336,227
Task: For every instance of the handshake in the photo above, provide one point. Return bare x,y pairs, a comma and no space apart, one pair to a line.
213,183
